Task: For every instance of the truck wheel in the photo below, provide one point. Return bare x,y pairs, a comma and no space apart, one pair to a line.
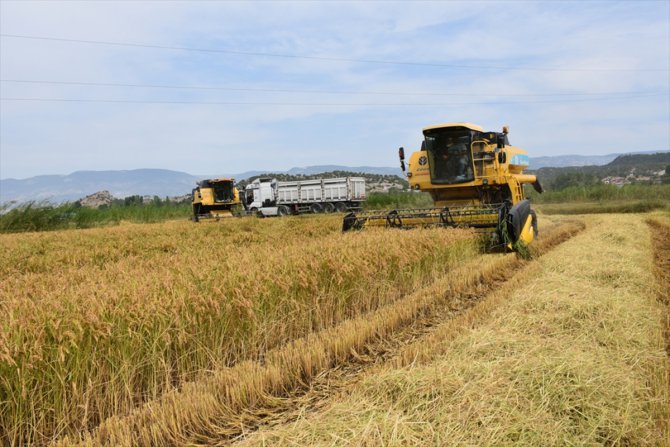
328,208
341,207
283,210
315,208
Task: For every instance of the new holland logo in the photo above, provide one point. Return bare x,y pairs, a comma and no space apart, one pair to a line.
423,160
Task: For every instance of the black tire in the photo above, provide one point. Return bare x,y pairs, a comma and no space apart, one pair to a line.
534,222
350,222
196,212
516,219
315,208
283,210
328,208
341,207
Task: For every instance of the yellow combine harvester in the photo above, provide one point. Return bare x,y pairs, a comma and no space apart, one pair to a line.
214,198
475,179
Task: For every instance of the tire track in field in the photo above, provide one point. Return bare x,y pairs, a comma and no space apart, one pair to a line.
238,400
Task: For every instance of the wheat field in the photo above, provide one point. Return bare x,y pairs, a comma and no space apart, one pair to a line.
288,332
99,321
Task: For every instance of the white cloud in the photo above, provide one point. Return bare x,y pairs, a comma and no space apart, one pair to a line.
63,137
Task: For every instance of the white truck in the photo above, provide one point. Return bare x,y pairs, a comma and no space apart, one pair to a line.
268,197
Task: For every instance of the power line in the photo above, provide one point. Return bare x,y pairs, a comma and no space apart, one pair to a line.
237,103
323,58
334,92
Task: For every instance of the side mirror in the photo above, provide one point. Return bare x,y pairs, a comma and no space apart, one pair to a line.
500,141
401,155
502,157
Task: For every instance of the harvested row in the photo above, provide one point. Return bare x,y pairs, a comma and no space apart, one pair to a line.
410,344
207,410
99,321
660,233
574,357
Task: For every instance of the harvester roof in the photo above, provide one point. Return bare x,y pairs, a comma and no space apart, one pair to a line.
467,125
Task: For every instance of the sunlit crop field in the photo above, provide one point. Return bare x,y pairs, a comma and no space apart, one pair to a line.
98,321
199,334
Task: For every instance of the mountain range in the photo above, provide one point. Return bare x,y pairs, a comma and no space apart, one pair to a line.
163,182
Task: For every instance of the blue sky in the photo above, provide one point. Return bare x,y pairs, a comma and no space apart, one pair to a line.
568,77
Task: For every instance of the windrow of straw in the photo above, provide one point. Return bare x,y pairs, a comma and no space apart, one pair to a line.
208,410
96,322
573,357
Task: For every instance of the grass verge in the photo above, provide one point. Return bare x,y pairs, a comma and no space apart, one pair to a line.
605,207
46,217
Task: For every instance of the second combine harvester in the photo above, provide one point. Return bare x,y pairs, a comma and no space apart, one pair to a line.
475,179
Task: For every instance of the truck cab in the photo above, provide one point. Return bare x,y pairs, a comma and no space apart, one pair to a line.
261,197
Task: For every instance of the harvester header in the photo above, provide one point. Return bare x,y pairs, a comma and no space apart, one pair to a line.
475,179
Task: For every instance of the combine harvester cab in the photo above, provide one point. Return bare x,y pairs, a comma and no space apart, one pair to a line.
266,197
214,199
475,179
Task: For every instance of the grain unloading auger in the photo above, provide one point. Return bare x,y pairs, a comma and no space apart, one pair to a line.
475,179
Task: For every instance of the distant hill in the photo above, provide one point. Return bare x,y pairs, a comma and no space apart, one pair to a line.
60,188
562,161
641,168
143,182
162,182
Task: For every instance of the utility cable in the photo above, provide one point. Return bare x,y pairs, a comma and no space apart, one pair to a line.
333,92
323,58
132,101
